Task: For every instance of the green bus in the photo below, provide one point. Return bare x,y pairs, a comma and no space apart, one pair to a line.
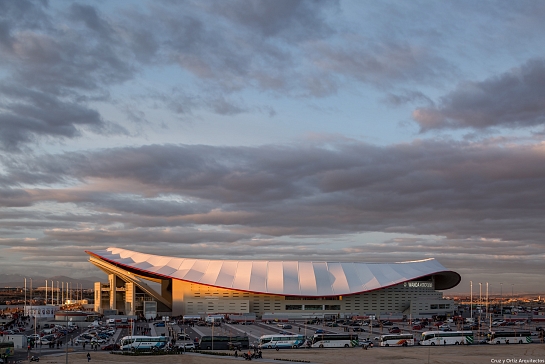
223,342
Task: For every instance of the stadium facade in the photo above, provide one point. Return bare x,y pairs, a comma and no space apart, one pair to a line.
144,284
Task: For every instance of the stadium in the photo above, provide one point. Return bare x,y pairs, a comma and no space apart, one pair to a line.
147,285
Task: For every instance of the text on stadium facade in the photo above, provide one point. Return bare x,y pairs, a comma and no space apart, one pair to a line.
419,284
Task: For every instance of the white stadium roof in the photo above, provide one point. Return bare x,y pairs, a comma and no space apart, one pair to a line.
291,278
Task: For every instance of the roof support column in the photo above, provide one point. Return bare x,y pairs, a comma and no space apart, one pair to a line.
112,279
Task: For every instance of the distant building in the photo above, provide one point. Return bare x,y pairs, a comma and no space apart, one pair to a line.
294,289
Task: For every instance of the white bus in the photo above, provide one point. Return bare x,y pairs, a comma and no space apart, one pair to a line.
143,342
334,340
396,340
509,337
446,338
281,341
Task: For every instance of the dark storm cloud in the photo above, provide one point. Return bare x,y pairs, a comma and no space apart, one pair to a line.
50,72
14,198
457,190
513,99
28,113
74,55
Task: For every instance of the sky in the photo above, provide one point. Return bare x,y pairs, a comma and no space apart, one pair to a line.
372,131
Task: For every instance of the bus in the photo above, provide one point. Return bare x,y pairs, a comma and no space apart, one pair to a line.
396,340
446,338
281,341
509,337
334,340
223,342
136,343
7,348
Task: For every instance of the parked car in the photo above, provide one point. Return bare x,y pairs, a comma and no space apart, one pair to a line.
187,346
110,347
417,327
45,340
319,331
394,330
81,340
360,329
286,326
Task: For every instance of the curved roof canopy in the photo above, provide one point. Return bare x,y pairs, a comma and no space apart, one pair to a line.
291,278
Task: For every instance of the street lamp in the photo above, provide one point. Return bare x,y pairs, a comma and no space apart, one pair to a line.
66,343
26,313
501,298
480,303
487,313
471,300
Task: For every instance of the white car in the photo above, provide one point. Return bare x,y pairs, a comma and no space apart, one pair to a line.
187,346
46,341
81,340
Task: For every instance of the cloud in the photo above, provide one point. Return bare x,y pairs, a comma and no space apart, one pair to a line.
514,99
291,20
382,63
29,113
489,191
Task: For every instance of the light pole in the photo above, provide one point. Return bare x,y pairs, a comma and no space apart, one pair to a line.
512,294
480,303
66,343
487,313
26,313
471,300
501,298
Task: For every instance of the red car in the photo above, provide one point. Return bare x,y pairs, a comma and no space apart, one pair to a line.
110,347
417,327
394,330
